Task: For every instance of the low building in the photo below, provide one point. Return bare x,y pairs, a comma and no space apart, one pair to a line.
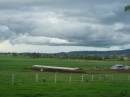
118,67
43,68
127,67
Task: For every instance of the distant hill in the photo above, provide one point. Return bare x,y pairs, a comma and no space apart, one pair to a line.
74,54
97,53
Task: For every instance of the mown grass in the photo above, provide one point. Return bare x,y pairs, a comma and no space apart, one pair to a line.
91,89
25,85
21,63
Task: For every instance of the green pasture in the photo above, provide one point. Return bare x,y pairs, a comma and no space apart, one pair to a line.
18,64
18,80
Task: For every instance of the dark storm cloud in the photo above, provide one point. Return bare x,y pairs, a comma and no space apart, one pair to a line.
101,23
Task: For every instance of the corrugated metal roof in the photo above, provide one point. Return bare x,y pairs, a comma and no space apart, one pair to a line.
55,67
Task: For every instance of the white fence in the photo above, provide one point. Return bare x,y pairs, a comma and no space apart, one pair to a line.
23,78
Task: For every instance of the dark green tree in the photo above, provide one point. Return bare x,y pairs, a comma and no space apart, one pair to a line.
127,8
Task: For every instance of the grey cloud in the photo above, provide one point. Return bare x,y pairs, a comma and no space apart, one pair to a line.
125,29
5,33
117,16
79,23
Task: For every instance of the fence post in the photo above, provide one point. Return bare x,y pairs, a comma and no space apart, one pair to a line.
55,78
36,77
12,78
82,78
112,77
70,78
92,77
128,77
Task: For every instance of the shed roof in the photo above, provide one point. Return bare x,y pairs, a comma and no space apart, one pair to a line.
55,67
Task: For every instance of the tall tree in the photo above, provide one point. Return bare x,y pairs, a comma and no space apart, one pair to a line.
127,8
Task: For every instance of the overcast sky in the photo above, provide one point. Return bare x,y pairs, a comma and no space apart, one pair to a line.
63,25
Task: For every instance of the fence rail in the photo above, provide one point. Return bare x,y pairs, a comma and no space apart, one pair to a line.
23,78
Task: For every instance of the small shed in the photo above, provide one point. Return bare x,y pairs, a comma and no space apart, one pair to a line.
127,67
118,67
43,68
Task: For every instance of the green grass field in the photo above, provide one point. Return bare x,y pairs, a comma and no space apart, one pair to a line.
18,80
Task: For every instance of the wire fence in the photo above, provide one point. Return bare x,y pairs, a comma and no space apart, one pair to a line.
26,78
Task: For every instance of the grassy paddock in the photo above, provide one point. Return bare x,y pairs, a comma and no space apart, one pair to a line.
37,77
18,64
18,80
91,89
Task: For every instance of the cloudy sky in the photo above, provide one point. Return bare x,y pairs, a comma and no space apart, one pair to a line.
63,25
